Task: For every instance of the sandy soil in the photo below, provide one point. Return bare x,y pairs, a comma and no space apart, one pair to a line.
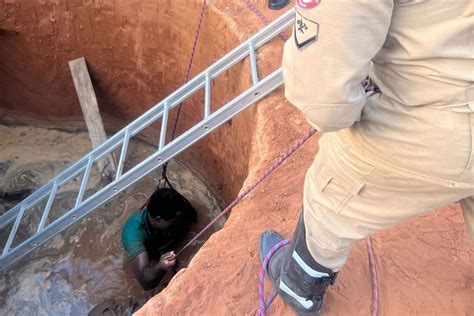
425,265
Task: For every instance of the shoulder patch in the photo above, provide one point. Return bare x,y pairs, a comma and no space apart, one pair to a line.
308,4
305,31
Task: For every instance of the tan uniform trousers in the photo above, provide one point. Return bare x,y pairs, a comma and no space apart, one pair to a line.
397,162
389,156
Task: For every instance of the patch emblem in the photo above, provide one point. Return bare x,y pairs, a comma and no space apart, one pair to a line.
305,31
308,4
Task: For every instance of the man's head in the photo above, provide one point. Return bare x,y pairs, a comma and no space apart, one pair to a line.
163,207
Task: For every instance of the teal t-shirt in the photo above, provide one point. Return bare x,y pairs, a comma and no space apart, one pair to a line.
135,234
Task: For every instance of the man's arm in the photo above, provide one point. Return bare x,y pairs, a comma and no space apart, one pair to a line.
329,55
149,275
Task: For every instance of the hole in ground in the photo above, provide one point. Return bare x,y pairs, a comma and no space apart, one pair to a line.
137,54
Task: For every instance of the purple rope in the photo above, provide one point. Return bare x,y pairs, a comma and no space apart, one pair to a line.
263,304
261,16
188,72
369,85
373,273
249,189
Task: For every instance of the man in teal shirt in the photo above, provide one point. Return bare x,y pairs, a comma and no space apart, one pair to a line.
151,235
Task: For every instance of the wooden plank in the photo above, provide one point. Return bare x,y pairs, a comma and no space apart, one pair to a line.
90,109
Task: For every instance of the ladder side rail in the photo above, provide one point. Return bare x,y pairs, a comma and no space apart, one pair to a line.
172,149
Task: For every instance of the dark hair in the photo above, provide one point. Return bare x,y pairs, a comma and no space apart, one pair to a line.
164,203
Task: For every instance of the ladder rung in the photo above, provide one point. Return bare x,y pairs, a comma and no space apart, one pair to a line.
207,96
253,64
48,206
164,126
14,229
123,153
85,180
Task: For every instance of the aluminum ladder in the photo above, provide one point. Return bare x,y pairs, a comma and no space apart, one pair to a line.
82,207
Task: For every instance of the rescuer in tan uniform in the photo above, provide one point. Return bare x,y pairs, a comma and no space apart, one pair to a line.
384,156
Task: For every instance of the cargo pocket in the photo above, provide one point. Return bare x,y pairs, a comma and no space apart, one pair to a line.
336,190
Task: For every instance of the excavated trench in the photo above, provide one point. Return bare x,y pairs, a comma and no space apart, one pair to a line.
137,53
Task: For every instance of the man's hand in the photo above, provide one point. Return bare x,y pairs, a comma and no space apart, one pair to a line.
167,260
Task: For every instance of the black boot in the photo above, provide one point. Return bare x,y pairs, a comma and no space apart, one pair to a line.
277,4
298,278
267,240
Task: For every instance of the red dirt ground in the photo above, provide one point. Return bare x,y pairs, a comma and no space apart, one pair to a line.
425,265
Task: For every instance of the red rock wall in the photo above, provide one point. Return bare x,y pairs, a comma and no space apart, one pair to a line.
136,52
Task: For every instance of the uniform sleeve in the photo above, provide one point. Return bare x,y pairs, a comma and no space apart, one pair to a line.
328,56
